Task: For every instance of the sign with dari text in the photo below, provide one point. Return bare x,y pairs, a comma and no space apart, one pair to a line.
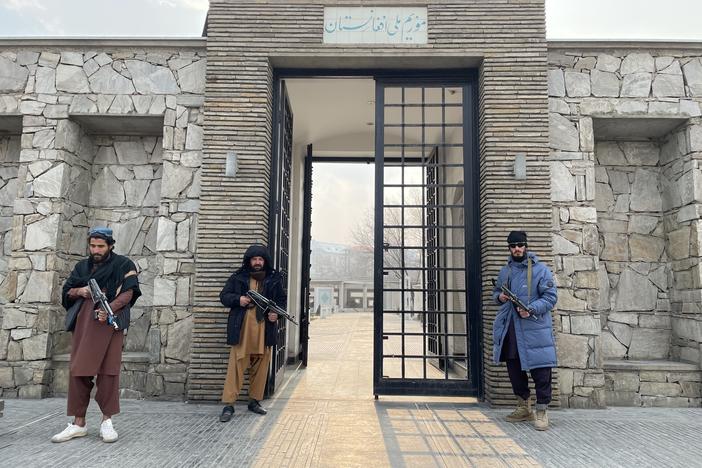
375,25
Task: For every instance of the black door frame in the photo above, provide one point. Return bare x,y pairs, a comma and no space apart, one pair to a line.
471,191
472,259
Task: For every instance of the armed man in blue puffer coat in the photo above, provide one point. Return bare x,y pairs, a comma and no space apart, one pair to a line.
524,338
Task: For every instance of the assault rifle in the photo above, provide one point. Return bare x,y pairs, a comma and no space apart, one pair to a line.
266,304
515,300
100,300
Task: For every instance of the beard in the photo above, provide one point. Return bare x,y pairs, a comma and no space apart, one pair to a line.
257,267
97,258
519,258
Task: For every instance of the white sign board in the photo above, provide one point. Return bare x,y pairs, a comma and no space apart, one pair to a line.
376,25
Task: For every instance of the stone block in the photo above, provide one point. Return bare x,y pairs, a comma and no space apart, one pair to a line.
13,77
164,292
693,76
573,351
636,85
645,191
152,79
608,63
679,243
622,398
653,376
23,376
40,287
577,84
594,379
563,134
655,321
192,77
585,324
635,292
649,344
71,79
36,347
643,224
562,182
6,377
659,389
615,244
668,86
166,235
645,248
637,63
604,84
33,391
625,381
691,389
567,301
565,381
108,81
179,336
14,318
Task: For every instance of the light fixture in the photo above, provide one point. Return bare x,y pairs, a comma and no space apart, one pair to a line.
520,166
231,164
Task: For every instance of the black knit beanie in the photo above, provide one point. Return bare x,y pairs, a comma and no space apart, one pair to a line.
517,236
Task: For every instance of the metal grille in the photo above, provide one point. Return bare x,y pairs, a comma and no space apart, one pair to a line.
279,225
423,159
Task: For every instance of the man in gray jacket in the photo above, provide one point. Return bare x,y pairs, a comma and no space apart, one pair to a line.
523,338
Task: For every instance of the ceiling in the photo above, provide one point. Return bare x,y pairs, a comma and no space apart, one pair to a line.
337,116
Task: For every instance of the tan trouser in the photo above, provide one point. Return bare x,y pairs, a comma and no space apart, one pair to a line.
258,373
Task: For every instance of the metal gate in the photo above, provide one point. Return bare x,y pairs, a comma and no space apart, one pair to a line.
279,218
427,262
306,257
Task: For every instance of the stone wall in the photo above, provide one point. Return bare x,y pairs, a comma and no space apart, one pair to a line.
111,135
626,192
634,297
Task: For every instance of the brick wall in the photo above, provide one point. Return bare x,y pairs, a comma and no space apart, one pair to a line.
246,39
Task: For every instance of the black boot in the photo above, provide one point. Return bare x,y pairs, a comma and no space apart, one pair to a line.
227,413
256,407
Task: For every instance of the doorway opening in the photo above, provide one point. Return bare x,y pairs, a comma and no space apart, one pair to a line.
418,131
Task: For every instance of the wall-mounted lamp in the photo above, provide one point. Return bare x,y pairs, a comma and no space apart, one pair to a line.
520,166
230,166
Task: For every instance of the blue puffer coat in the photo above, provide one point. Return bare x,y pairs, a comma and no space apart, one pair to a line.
535,341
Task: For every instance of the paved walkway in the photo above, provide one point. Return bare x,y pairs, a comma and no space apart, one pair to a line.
325,416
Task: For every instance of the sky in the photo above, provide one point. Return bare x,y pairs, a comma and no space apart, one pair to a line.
333,186
565,19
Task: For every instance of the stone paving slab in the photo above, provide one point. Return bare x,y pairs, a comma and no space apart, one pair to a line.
352,433
325,416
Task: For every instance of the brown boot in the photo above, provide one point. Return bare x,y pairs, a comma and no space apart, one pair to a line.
541,420
523,411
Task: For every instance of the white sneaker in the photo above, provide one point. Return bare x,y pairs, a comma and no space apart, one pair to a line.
71,432
107,432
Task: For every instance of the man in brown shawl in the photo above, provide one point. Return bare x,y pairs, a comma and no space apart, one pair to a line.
96,346
251,332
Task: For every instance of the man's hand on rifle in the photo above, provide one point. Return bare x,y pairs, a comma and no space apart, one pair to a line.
272,316
84,292
101,315
503,298
523,313
244,301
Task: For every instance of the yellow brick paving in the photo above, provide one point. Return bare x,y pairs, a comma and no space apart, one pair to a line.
329,417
